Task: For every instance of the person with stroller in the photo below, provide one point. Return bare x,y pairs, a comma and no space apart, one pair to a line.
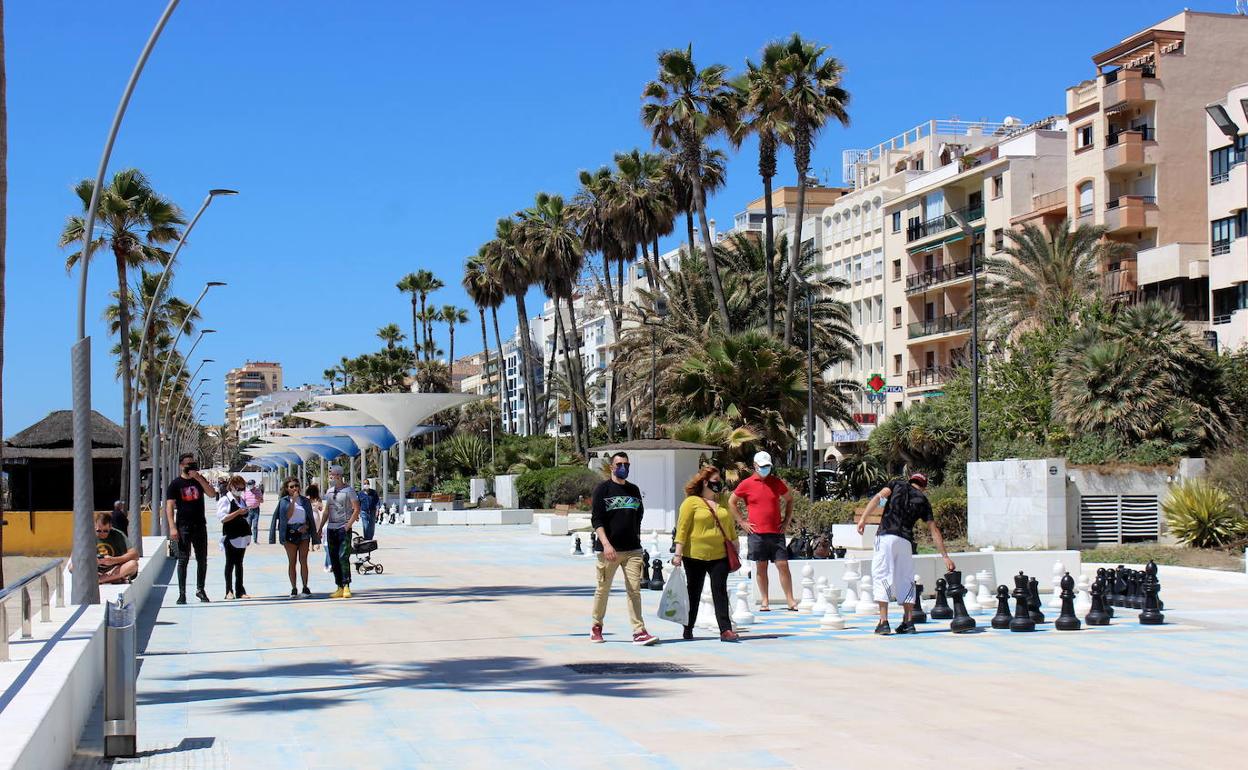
296,531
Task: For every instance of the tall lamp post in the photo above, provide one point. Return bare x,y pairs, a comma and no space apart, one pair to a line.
85,587
160,388
810,396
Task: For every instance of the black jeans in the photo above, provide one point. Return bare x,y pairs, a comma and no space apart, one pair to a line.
338,544
234,566
192,535
696,570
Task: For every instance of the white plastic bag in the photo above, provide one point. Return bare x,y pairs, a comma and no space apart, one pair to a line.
674,604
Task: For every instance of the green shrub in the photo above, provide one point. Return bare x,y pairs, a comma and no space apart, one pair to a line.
1229,472
569,486
823,513
533,487
456,485
1200,514
797,478
950,516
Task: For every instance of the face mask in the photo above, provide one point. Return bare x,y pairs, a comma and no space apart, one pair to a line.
764,471
621,471
715,486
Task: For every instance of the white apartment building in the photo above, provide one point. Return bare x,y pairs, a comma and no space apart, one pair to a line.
1226,140
262,415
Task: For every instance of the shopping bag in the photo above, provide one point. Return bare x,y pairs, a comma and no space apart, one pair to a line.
674,604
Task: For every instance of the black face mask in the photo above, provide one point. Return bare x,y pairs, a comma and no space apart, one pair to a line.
715,486
190,467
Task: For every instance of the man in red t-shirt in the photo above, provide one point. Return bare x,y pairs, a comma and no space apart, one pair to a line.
764,496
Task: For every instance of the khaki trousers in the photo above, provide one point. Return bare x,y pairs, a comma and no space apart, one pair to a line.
631,562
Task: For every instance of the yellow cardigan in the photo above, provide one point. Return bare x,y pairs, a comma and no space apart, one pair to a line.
697,533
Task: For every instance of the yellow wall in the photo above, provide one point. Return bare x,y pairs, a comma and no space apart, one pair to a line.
51,535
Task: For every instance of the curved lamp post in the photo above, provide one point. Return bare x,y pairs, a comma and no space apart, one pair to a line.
85,587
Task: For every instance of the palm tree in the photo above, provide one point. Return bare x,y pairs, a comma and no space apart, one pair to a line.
809,95
685,107
390,335
714,175
134,221
330,375
642,205
759,114
486,291
408,285
427,316
1047,277
516,270
426,284
452,316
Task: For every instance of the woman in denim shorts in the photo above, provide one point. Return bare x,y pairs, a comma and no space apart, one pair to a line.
296,531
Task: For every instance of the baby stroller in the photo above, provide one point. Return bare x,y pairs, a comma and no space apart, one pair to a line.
360,550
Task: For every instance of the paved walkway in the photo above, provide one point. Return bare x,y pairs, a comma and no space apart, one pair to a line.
457,657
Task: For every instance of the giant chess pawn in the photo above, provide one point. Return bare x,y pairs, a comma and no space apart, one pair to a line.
941,609
645,568
1097,615
1120,586
865,602
706,612
1033,605
742,615
917,615
850,604
654,541
1055,601
1002,619
986,599
962,622
593,542
1107,582
1138,584
832,620
821,597
672,547
1022,598
807,601
1083,600
656,575
576,547
1151,616
1067,620
970,586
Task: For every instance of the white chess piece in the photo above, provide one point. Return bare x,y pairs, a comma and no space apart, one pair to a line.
706,613
850,604
918,598
808,590
972,591
831,620
865,603
821,596
742,616
654,542
1055,601
986,598
1083,599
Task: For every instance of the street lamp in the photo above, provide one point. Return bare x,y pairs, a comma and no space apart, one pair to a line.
810,395
85,588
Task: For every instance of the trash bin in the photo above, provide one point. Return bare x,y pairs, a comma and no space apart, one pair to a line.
120,675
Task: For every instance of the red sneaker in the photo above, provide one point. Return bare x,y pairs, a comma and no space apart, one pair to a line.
595,635
644,638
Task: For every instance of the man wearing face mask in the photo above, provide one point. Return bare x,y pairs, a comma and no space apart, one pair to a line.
616,518
184,510
764,495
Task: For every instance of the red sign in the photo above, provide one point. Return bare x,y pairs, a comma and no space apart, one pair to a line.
876,383
865,418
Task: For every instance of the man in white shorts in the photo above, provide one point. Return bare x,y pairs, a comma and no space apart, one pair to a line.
892,566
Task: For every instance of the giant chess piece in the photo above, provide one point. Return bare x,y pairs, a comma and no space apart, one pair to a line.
1098,616
917,615
645,568
576,547
656,575
672,547
1033,605
1002,619
1022,598
821,597
1151,616
808,590
1120,586
970,588
865,602
706,613
1055,601
962,622
941,609
1083,599
1067,620
850,604
1107,582
742,615
654,541
986,599
1138,584
832,620
593,542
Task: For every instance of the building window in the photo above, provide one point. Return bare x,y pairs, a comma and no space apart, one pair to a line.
896,269
879,310
1223,231
998,186
896,318
1083,136
896,221
1086,201
1223,159
897,363
998,239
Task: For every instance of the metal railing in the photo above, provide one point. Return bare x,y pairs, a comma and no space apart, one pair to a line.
924,278
1114,203
1147,133
50,578
945,323
1225,176
943,222
932,375
1220,247
1224,318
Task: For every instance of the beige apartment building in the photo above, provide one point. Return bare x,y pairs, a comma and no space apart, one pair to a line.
1135,161
1226,141
244,385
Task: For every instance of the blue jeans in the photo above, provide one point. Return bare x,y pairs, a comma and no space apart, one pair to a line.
253,518
369,520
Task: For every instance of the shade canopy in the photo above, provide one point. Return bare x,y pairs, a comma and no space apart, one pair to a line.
328,436
365,430
323,451
401,413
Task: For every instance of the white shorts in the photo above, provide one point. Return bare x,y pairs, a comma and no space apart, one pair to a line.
892,570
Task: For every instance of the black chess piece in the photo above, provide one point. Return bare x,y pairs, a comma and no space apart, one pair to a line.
1138,584
840,552
672,548
1107,579
645,568
656,579
962,622
593,542
1098,616
1022,598
1033,604
917,615
1151,616
577,551
1157,581
941,609
1002,618
1120,586
1067,620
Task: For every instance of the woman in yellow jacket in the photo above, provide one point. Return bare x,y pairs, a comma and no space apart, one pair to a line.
700,547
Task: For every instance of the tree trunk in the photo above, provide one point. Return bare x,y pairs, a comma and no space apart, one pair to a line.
699,198
4,212
801,158
450,354
526,367
569,373
415,337
579,383
767,169
645,260
689,227
127,384
424,328
485,350
613,313
658,267
500,370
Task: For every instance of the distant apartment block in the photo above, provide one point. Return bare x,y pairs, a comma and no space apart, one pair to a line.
1226,141
265,413
244,385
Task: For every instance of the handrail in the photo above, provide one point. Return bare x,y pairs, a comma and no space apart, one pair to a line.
22,588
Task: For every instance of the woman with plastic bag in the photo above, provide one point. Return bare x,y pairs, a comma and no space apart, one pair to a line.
706,546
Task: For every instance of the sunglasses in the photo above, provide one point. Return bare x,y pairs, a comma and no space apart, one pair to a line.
102,531
620,465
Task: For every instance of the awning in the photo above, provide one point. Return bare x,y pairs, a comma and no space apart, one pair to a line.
951,239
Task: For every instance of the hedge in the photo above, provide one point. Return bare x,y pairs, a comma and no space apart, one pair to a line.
547,487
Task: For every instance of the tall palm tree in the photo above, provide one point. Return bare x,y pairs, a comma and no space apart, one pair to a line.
427,283
330,375
642,205
1047,276
714,175
810,95
390,335
427,316
759,114
686,106
408,285
549,233
452,316
485,289
516,270
134,221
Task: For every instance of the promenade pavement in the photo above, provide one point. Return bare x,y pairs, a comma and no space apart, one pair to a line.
457,657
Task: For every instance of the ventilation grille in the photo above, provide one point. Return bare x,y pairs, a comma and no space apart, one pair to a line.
1118,518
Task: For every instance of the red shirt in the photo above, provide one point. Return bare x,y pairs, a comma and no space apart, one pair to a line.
762,502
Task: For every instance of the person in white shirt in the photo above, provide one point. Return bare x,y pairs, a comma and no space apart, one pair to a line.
235,535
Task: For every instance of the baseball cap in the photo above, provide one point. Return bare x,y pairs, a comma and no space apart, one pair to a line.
762,458
919,478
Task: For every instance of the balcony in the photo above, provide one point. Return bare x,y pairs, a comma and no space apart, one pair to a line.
945,324
1124,86
933,375
942,223
1229,263
1130,149
925,279
1130,213
1117,283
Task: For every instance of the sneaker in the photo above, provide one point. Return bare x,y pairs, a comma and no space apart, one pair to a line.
229,595
244,596
688,633
906,628
294,594
306,592
883,629
644,638
336,594
202,595
181,599
346,592
729,636
595,635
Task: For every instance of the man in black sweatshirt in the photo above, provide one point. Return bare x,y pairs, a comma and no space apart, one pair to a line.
616,518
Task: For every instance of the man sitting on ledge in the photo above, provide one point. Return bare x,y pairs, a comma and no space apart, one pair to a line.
118,562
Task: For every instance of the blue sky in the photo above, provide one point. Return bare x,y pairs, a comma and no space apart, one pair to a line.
370,139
